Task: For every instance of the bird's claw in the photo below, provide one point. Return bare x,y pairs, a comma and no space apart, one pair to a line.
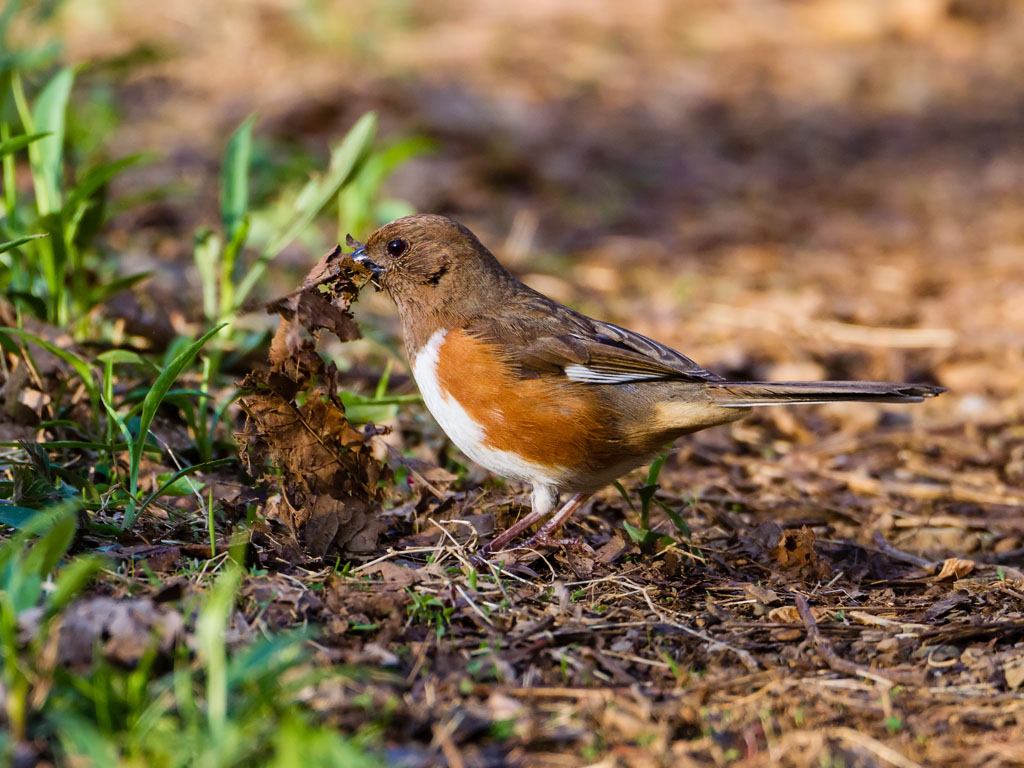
576,545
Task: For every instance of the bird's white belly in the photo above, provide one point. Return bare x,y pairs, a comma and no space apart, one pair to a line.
466,433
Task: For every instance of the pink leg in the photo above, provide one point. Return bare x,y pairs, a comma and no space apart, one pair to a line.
499,542
543,500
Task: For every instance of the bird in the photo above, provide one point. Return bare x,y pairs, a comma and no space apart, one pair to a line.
536,392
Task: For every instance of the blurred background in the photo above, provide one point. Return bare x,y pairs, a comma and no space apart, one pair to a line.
781,189
823,188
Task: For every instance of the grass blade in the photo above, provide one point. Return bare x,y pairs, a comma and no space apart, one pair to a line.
210,630
180,474
73,444
127,356
16,517
72,580
10,244
38,525
150,404
346,161
47,552
105,292
45,156
234,192
206,251
19,142
97,177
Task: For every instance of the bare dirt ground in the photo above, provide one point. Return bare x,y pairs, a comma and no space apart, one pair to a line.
832,188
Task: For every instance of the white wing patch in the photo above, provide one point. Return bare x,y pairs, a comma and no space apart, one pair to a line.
581,373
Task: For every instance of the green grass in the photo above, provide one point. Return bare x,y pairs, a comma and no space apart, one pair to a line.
129,426
52,264
212,708
102,457
642,535
429,610
52,271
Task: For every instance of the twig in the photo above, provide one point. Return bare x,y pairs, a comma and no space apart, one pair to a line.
880,750
888,549
443,739
601,695
472,604
834,661
420,658
397,456
880,621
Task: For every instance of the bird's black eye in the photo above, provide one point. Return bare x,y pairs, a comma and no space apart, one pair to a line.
397,247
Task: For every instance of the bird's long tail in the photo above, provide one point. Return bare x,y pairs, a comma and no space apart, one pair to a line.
743,394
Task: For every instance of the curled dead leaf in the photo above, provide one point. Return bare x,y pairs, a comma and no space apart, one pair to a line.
788,614
396,576
794,551
331,483
322,303
954,568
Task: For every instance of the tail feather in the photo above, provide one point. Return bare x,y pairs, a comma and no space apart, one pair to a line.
743,394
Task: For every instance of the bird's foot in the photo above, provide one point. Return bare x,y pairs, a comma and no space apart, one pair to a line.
574,544
543,537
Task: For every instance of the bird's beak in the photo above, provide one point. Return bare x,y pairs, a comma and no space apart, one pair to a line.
359,256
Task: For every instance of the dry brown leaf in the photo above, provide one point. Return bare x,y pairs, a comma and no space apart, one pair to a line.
887,645
320,304
614,548
395,575
788,614
13,433
123,630
955,568
1013,669
160,557
761,594
786,634
330,474
331,482
795,551
362,607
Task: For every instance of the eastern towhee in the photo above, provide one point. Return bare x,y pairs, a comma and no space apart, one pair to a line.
536,392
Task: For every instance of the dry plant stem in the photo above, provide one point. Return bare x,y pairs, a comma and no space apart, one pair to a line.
837,664
443,739
888,549
548,528
880,750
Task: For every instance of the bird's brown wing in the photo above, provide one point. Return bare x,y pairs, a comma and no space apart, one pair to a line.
615,349
546,338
